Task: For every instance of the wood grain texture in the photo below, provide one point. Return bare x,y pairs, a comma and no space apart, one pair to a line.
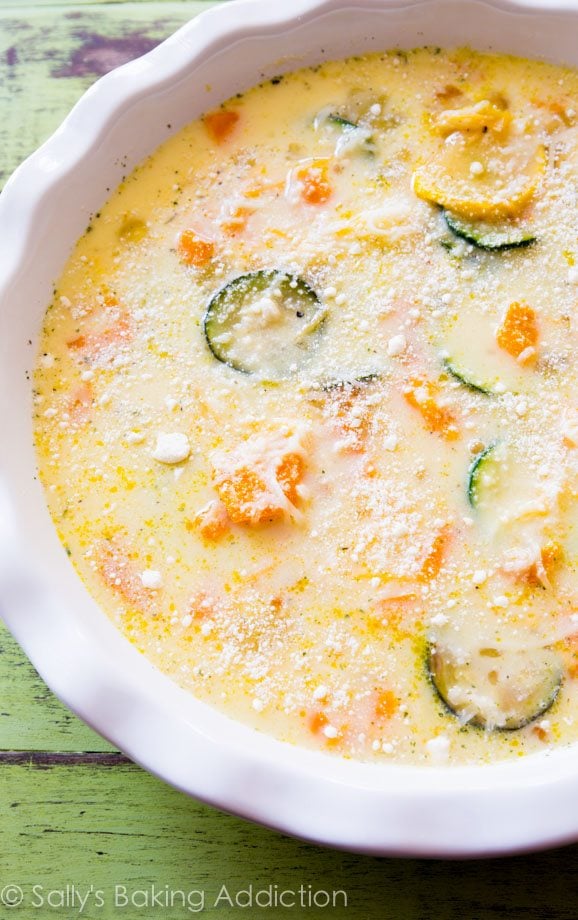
72,810
50,54
77,825
31,718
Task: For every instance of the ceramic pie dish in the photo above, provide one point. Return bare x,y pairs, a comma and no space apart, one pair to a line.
382,809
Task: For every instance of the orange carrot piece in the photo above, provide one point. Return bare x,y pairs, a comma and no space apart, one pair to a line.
221,124
290,472
80,404
519,329
211,521
240,493
315,185
386,704
422,395
434,560
350,413
245,495
118,572
194,250
317,721
556,107
202,606
94,344
77,343
237,221
249,500
551,557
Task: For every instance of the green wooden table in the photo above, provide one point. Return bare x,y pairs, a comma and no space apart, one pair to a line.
74,813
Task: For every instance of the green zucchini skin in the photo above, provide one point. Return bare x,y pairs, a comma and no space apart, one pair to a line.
341,121
460,375
487,238
474,473
305,315
348,127
548,685
351,383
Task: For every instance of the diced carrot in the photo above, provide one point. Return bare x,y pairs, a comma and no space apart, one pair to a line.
194,250
433,562
260,188
350,413
80,404
240,493
542,572
290,472
201,606
560,111
94,344
211,521
315,185
221,124
247,499
250,491
447,92
77,343
397,616
572,657
236,221
519,329
118,571
541,733
422,395
317,721
570,427
386,704
552,555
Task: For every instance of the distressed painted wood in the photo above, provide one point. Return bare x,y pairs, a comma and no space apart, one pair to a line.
49,55
116,825
72,810
31,718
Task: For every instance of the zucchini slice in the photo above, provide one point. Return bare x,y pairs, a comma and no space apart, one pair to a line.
483,476
263,323
341,121
467,346
495,688
465,377
350,383
354,136
488,236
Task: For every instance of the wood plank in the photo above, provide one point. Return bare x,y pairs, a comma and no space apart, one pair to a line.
23,8
31,718
14,4
95,826
50,55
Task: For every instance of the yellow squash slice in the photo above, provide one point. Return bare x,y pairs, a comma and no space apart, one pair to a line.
506,184
474,119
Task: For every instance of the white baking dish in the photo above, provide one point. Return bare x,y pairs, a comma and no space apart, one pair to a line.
46,205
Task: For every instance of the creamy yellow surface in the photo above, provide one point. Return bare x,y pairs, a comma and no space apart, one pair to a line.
294,543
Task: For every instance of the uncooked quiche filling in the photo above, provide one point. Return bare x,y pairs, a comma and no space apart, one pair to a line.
306,407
